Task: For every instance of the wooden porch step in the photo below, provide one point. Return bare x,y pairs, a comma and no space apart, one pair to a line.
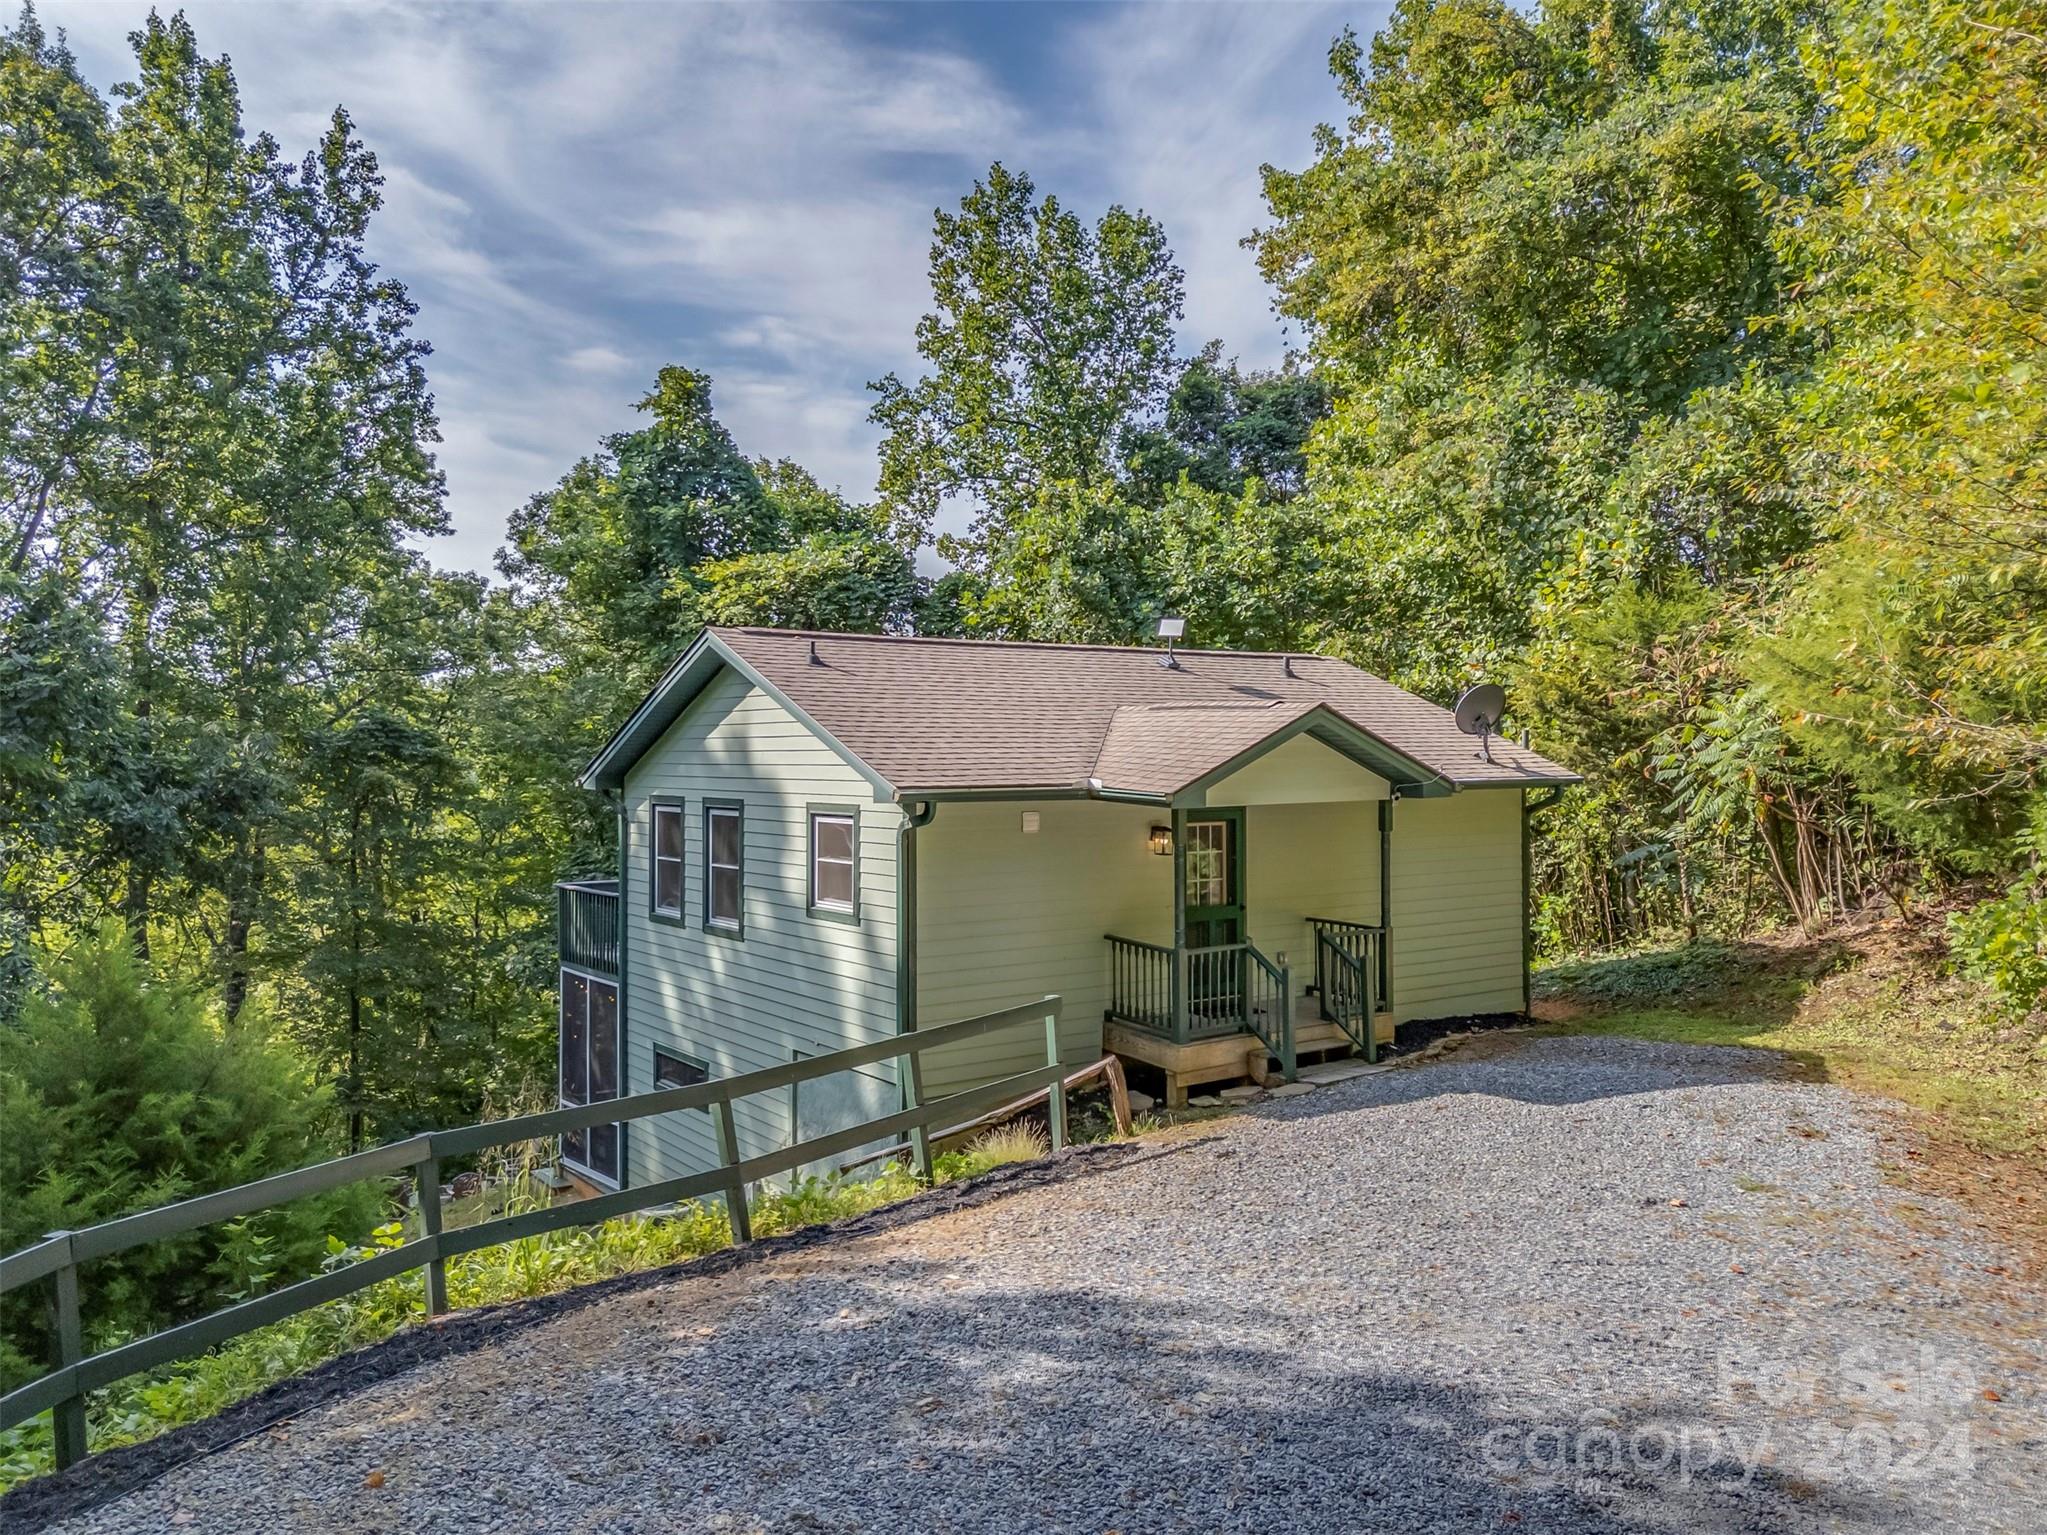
1227,1058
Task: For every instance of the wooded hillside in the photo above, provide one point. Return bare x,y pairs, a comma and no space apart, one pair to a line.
1677,365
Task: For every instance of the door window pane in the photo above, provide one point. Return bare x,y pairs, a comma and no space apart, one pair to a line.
575,1040
589,1069
1208,852
604,1151
603,1042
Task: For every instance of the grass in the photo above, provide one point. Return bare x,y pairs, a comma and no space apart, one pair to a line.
1875,1007
148,1405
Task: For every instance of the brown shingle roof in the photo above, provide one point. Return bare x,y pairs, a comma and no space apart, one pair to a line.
984,714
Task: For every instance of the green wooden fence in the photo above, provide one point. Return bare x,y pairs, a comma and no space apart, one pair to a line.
60,1255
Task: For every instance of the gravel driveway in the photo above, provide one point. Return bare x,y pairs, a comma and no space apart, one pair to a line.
1560,1284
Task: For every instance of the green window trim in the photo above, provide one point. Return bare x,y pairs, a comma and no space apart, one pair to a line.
824,910
660,807
678,1068
734,927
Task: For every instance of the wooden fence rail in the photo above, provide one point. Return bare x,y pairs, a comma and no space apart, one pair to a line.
64,1389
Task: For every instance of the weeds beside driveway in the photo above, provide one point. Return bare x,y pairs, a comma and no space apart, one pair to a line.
1560,1284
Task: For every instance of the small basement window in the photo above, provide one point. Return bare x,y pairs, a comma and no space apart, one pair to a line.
672,1070
668,860
834,865
724,839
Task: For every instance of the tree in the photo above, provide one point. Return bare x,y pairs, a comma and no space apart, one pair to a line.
122,1090
1915,654
1224,428
1543,276
224,445
1049,339
1536,269
615,543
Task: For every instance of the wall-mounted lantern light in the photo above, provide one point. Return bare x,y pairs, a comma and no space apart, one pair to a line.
1161,840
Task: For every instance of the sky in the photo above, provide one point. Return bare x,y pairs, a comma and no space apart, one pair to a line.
579,194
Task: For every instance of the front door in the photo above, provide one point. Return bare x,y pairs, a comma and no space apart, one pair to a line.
1213,872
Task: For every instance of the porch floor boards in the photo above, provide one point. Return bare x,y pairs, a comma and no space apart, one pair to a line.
1227,1058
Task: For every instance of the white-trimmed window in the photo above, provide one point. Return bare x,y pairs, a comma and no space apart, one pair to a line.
667,870
589,1069
724,854
834,863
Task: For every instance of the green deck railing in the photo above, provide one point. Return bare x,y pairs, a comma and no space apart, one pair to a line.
1208,992
586,924
1347,988
60,1255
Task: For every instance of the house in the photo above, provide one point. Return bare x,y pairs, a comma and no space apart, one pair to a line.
1220,859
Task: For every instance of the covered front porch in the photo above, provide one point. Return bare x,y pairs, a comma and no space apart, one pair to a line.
1278,949
1232,922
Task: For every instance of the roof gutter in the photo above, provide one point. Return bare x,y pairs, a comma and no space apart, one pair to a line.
1086,789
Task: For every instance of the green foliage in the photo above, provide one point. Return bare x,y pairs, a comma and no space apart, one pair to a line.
1915,654
1049,339
121,1091
1649,977
1224,429
2003,942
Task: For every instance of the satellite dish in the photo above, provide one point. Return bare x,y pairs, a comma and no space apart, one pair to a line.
1478,714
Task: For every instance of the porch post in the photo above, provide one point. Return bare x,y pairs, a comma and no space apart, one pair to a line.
1385,998
1180,1030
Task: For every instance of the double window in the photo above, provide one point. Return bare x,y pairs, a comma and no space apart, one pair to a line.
724,848
834,864
589,1069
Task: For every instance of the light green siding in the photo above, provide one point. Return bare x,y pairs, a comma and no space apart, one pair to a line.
1297,772
1005,915
1304,861
794,981
1457,905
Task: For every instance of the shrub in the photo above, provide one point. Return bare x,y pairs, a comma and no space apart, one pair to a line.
122,1091
2003,942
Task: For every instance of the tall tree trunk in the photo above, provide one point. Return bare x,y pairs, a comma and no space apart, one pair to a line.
355,1109
135,910
245,876
142,677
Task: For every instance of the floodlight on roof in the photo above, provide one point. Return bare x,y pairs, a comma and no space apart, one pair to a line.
1170,629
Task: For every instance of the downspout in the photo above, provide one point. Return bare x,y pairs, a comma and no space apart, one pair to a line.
906,912
1530,809
625,1054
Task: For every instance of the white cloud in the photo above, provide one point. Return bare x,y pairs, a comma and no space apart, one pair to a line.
597,359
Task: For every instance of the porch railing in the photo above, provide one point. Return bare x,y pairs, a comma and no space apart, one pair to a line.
586,924
1269,1007
1362,941
1346,987
1143,984
59,1257
1209,992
